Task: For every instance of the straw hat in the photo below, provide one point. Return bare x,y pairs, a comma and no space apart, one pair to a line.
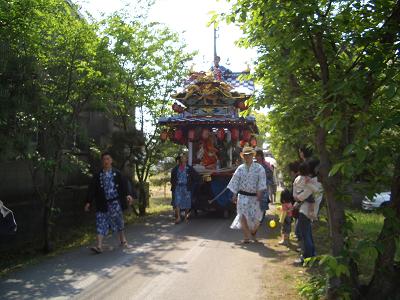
247,150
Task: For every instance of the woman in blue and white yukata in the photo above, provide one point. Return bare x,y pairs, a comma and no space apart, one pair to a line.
247,185
183,178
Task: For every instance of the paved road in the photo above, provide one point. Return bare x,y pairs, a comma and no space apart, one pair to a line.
199,260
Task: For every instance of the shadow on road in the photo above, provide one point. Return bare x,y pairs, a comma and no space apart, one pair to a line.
69,274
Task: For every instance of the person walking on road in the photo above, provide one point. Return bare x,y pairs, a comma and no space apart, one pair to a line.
247,185
109,191
183,178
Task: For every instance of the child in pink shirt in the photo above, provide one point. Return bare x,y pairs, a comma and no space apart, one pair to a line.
286,216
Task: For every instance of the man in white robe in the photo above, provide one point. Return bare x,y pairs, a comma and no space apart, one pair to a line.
247,185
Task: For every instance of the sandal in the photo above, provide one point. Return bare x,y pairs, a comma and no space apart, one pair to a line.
96,250
245,241
124,244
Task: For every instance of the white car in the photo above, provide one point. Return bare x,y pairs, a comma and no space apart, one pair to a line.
379,200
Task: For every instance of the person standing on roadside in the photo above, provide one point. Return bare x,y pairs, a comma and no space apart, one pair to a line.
294,172
273,179
109,191
269,179
309,210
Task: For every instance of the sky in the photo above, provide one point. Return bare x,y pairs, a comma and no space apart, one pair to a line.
189,18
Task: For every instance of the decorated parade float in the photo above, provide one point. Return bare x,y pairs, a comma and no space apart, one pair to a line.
210,122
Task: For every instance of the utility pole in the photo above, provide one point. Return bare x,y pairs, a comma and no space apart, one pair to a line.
215,42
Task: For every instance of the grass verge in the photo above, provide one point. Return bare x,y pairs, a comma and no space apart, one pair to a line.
366,227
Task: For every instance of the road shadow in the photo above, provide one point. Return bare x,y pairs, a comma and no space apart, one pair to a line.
68,274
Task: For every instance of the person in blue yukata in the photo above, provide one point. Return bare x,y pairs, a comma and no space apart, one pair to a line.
109,191
183,180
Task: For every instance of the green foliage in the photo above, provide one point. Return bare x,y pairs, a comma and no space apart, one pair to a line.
289,70
332,267
363,229
151,65
313,289
262,124
329,72
126,147
55,66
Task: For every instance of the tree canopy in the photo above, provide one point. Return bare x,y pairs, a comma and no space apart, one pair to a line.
56,65
329,71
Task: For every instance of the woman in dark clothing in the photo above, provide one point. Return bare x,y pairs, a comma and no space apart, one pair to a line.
183,178
177,161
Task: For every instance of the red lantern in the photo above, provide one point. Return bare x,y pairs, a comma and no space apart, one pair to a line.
164,135
182,141
178,136
234,134
205,133
246,135
221,134
191,135
253,142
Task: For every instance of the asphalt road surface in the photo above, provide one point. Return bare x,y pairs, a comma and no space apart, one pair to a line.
199,260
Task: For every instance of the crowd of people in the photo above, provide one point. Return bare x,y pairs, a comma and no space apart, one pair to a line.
253,186
301,203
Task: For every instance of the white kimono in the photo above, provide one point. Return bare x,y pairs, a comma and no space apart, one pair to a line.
251,180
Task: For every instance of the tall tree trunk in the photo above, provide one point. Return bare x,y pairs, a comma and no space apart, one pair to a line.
386,278
335,206
47,244
142,198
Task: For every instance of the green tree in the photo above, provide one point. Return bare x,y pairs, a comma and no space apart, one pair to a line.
263,125
161,171
65,55
151,65
327,68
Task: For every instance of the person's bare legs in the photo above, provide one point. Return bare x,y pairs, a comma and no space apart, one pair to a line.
187,214
284,240
122,238
177,215
254,231
245,228
100,238
274,193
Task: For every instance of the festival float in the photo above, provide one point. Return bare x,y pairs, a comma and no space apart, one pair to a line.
211,122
